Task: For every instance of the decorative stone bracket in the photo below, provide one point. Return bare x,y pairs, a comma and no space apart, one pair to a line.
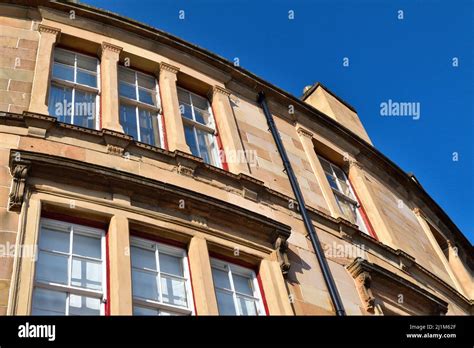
363,283
187,164
19,170
281,246
405,260
116,142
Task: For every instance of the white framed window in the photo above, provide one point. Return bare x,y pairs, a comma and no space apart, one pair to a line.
345,197
199,126
75,88
236,289
160,279
140,106
70,272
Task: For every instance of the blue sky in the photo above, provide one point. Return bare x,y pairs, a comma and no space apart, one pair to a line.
405,60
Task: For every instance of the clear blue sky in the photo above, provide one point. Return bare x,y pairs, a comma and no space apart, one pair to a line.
409,60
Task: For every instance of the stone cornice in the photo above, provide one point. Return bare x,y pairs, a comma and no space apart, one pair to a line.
168,67
361,266
108,47
49,30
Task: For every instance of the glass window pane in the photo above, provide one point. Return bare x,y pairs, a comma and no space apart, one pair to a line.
82,305
87,63
144,285
63,72
221,279
60,103
146,81
146,96
52,268
171,264
332,182
54,240
183,97
225,302
86,246
86,78
126,75
64,57
128,120
345,189
84,112
347,209
246,306
242,284
326,166
145,118
86,274
191,140
205,145
339,173
47,302
142,258
203,117
127,91
173,291
186,111
144,311
200,102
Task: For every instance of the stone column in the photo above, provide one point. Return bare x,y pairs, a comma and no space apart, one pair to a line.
44,59
273,284
306,139
120,278
371,207
109,97
170,108
201,273
228,131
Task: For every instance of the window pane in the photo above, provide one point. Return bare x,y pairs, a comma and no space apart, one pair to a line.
339,174
47,302
86,246
128,120
221,279
185,110
84,114
146,81
345,188
205,145
144,311
203,117
146,126
82,305
146,96
200,102
64,57
144,285
60,103
52,268
171,264
86,274
183,97
87,63
332,182
191,140
326,166
225,302
347,209
86,78
246,306
173,290
126,75
127,91
142,258
242,284
54,240
63,72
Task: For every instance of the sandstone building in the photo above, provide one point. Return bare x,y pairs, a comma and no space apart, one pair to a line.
138,176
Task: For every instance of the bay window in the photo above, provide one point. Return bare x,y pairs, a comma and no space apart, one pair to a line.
199,126
236,289
74,89
345,197
70,276
140,106
160,279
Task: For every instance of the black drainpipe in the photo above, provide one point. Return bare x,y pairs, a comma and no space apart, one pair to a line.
323,263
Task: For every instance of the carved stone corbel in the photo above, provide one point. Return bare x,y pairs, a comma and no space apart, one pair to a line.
17,190
363,286
405,260
187,163
281,246
116,142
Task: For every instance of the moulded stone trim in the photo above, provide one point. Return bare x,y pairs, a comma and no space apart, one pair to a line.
49,30
168,67
106,46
